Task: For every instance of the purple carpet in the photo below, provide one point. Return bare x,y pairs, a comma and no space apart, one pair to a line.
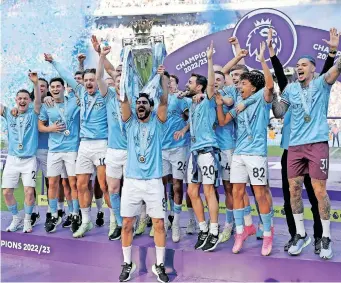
59,257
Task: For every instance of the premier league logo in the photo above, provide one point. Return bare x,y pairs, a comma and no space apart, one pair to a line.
253,28
259,34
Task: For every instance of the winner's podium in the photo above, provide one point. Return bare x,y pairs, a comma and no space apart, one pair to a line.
95,258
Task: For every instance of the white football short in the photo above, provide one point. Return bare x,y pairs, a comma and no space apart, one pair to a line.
90,153
115,161
249,169
135,191
206,174
61,164
42,161
174,162
15,166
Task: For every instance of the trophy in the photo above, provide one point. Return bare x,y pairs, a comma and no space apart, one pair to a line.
141,57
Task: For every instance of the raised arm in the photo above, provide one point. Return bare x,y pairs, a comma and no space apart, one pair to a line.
163,106
333,73
102,85
333,43
269,82
234,41
37,94
66,75
81,58
109,68
241,55
278,68
210,76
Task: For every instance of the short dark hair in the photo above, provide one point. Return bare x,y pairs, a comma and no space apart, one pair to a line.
239,67
42,79
91,71
220,73
175,78
79,73
57,79
256,79
24,90
201,80
145,95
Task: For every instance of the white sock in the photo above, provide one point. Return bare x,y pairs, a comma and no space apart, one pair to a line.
60,205
299,222
27,216
48,209
172,213
272,222
85,215
240,229
160,255
326,228
203,226
191,213
35,209
214,229
127,254
99,203
55,215
248,220
176,220
112,215
143,211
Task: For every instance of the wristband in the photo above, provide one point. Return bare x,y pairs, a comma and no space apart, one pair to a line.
333,52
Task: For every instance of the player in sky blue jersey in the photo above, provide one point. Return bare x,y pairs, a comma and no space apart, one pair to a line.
143,178
282,83
94,187
21,159
249,162
62,123
308,151
203,165
93,135
116,156
174,153
226,137
233,69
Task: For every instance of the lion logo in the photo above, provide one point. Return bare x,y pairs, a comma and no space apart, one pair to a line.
259,34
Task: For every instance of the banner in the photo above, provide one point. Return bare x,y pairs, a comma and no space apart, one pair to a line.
290,42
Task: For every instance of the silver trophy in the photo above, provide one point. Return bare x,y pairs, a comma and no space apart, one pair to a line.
147,52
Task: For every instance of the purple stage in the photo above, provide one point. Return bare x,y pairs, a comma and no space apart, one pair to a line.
59,257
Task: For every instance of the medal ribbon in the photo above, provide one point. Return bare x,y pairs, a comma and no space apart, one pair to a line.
21,127
305,96
192,125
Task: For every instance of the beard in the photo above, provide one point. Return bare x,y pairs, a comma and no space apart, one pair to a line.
142,115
